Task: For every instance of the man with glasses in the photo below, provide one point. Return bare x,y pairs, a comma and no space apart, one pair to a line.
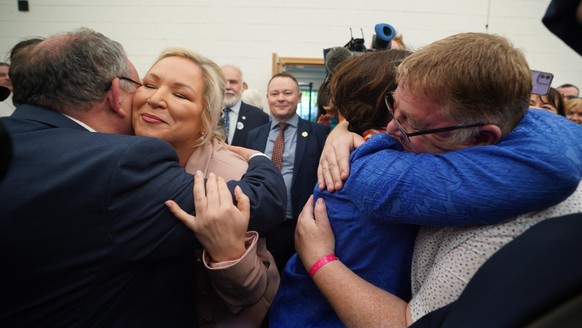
405,135
86,237
464,159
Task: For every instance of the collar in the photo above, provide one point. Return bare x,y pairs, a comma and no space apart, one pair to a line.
80,123
236,108
292,121
369,133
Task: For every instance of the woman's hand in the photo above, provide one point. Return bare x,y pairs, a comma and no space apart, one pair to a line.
243,152
219,225
334,164
313,236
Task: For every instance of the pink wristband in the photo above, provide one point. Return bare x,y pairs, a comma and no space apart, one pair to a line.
321,262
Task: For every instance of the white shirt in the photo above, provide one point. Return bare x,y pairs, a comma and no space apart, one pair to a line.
232,119
6,107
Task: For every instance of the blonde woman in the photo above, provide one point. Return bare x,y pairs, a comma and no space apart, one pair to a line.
181,102
574,110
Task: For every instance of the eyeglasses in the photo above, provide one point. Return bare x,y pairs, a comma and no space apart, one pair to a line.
125,78
406,135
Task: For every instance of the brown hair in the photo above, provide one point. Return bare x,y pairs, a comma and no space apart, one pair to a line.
359,87
555,98
477,77
284,74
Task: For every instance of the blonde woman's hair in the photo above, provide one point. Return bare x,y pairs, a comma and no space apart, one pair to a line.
213,93
573,103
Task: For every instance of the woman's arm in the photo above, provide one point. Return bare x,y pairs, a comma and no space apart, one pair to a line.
357,302
334,164
236,263
536,166
219,225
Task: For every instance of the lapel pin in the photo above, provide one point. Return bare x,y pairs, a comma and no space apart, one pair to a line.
240,125
304,134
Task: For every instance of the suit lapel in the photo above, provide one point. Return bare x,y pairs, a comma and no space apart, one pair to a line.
303,131
237,133
263,136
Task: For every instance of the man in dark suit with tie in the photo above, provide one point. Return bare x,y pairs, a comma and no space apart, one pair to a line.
300,143
86,237
239,118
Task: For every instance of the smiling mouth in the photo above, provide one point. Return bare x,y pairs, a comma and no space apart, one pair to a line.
152,119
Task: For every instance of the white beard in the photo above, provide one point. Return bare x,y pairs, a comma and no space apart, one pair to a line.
231,101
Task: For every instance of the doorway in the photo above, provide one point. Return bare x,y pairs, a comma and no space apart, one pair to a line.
310,73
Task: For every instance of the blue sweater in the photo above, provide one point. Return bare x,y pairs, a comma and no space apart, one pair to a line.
389,193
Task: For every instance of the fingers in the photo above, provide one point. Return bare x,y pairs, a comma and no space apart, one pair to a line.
324,173
313,236
243,201
320,177
334,180
225,197
334,165
199,192
320,213
358,141
307,212
343,160
213,192
243,152
222,227
180,214
305,218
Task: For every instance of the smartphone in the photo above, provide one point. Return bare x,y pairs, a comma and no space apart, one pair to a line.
542,82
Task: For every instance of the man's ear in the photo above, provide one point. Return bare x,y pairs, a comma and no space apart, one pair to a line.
114,98
489,134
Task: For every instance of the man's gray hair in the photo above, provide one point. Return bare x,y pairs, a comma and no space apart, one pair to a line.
69,71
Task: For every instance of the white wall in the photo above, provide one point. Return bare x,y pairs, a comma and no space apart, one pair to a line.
247,32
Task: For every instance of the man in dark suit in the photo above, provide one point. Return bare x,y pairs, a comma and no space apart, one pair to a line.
241,117
302,145
86,237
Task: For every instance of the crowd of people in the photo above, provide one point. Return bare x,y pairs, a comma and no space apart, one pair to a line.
169,200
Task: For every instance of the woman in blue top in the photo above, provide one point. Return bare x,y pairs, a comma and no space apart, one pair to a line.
520,162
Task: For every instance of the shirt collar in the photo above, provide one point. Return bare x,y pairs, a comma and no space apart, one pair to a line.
292,121
236,108
80,123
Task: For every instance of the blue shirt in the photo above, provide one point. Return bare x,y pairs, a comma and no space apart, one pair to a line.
290,137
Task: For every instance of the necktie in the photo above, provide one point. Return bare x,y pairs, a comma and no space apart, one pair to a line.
226,119
277,156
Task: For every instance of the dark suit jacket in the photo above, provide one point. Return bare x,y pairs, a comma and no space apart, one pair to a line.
536,280
85,237
310,140
249,117
5,151
560,18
